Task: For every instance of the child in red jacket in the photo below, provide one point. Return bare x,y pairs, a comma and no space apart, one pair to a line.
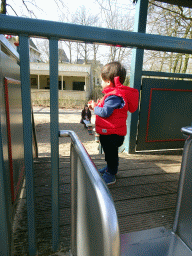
111,115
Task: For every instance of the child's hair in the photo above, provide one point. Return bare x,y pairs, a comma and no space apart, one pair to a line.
86,106
113,69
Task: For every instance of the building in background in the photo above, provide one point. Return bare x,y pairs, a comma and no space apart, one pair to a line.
75,81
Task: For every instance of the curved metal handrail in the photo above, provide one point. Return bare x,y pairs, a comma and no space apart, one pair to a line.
187,130
95,228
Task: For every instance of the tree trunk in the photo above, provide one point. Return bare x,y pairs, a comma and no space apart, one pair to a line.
181,62
3,6
86,53
95,53
162,62
70,54
185,63
171,62
178,57
186,57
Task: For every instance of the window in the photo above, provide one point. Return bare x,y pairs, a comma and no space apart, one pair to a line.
48,83
33,81
78,86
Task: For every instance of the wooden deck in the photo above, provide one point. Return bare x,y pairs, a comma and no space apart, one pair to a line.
144,194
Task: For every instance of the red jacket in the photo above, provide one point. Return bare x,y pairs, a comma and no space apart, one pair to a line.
116,122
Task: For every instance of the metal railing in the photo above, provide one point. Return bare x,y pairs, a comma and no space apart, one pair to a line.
94,223
187,132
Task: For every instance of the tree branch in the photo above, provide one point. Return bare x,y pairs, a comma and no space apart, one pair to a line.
12,9
56,1
31,12
34,4
167,9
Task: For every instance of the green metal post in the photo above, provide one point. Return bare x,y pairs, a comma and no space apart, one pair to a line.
136,74
5,222
27,136
54,127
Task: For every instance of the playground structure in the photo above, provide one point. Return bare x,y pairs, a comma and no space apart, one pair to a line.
144,137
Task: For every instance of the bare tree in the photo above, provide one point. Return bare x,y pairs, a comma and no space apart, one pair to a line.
82,17
114,17
78,50
169,20
29,7
43,46
71,46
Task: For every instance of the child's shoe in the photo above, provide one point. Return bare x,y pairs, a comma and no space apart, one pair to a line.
103,170
109,178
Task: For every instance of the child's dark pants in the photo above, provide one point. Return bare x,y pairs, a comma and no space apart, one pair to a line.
110,144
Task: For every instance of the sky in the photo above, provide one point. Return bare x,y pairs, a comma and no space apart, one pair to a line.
49,10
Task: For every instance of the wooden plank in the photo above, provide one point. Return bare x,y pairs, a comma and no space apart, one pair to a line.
147,171
46,181
47,172
143,191
45,221
143,165
46,190
45,202
147,221
144,196
47,166
145,179
159,157
41,160
144,205
138,180
44,241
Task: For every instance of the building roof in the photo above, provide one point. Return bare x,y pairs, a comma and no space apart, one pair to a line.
82,61
31,43
62,56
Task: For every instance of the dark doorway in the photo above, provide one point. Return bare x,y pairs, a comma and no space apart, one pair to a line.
78,86
59,85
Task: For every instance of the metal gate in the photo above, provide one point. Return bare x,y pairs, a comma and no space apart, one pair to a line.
166,106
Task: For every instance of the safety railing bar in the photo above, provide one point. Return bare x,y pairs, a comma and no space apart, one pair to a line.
47,29
53,46
187,130
166,74
82,153
188,143
73,160
109,229
27,138
5,207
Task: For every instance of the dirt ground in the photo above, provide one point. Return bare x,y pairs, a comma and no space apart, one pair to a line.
69,119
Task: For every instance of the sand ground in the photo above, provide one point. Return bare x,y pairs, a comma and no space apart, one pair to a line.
69,119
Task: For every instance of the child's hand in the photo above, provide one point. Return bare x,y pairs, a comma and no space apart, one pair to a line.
91,104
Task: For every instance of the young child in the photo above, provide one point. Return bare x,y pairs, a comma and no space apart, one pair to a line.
85,116
111,115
